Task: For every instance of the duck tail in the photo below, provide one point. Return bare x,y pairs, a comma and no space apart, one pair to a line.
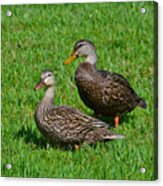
114,136
142,103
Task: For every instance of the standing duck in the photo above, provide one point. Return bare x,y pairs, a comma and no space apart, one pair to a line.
65,125
106,93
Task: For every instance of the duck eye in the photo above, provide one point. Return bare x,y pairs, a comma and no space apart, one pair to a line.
49,75
79,46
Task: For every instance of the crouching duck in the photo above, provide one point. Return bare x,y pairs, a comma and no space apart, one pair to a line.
65,125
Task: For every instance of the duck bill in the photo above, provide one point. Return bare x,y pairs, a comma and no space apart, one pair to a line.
70,59
39,85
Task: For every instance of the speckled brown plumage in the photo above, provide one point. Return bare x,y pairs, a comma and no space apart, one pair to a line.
63,124
106,93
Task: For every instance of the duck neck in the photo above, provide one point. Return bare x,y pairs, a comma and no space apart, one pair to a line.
92,58
49,95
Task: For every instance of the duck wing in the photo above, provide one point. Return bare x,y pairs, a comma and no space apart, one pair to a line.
114,77
77,127
74,117
118,94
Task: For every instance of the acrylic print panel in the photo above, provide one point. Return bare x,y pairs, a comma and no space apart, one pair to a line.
39,37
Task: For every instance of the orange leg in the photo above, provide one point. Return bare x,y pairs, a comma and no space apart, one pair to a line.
116,121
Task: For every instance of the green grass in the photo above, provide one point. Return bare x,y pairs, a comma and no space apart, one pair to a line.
36,37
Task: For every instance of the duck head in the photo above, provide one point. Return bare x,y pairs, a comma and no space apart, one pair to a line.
83,48
47,79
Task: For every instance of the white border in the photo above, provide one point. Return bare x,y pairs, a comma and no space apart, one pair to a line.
59,1
62,182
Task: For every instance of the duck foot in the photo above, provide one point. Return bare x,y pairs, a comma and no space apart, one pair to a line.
116,121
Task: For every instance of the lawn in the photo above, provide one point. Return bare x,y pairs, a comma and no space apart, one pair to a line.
37,37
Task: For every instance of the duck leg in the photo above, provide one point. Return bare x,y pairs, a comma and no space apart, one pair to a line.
116,121
76,147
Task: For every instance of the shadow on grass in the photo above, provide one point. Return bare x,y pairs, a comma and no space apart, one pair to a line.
31,137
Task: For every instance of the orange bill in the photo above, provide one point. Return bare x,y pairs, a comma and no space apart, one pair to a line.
70,59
